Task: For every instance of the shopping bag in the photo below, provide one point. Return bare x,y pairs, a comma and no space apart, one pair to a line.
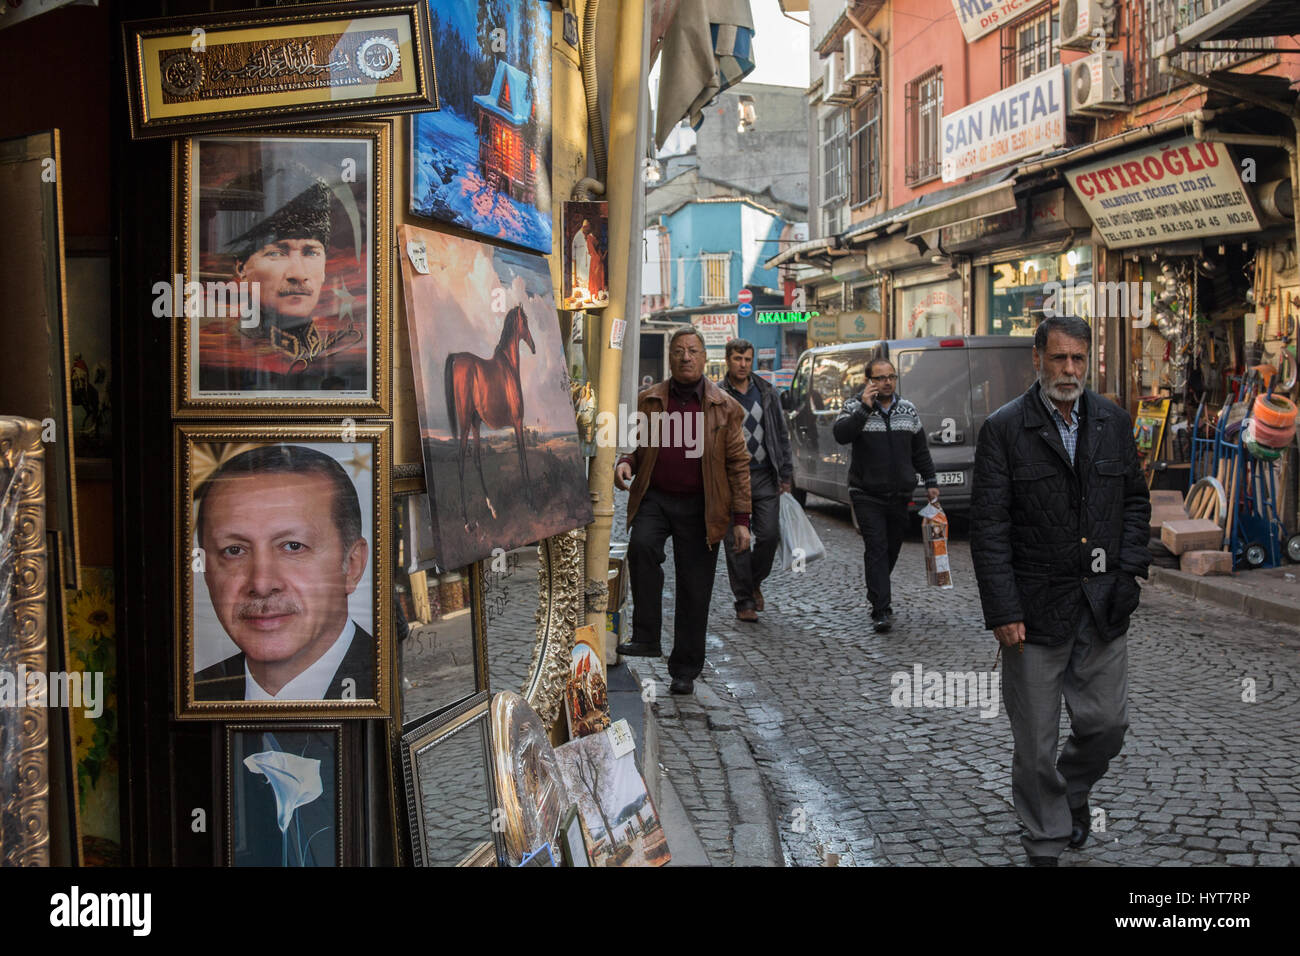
934,533
798,539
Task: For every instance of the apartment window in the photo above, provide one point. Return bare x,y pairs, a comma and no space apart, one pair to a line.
716,269
1029,45
1153,20
865,151
924,117
835,187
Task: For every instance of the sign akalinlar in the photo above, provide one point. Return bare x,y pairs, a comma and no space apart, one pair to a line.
1182,189
978,17
1019,121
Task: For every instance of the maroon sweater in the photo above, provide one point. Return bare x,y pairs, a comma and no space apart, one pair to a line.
674,472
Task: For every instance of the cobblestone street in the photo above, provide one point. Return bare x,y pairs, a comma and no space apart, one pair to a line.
1207,776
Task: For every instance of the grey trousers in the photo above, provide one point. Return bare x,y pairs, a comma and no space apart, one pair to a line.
747,570
1093,675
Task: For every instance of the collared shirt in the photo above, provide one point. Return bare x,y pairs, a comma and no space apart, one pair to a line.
312,683
1069,432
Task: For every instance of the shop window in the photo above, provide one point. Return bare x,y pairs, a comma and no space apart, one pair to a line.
929,310
866,151
865,298
924,117
716,270
1152,20
1029,45
1016,291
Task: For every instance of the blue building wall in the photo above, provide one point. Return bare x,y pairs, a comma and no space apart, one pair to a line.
743,231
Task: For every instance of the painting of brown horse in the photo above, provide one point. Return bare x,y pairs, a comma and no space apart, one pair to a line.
503,463
487,392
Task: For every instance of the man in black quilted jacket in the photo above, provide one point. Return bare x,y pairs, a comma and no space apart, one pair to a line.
889,451
1059,527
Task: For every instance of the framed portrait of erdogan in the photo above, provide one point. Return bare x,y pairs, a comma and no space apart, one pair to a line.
283,570
279,296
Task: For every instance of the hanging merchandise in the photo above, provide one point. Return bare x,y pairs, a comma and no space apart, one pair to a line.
496,416
586,255
483,162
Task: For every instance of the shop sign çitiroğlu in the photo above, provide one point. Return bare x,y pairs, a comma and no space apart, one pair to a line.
1021,120
978,17
1177,190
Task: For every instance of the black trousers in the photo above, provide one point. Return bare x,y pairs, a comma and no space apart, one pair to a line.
881,522
662,516
747,570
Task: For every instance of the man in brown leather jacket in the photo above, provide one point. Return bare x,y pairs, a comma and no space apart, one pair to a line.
691,483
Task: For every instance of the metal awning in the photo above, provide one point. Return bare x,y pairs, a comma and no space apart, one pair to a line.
1234,20
989,195
803,250
992,200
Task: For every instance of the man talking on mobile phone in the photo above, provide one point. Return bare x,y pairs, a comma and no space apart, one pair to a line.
889,451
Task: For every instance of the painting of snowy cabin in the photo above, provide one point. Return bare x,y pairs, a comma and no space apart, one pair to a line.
506,160
483,161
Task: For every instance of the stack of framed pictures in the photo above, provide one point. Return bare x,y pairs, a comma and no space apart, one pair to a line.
310,597
279,297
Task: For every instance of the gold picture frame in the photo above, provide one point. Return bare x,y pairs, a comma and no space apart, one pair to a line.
24,778
288,610
249,68
231,353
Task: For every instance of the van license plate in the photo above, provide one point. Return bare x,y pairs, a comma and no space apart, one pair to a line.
952,478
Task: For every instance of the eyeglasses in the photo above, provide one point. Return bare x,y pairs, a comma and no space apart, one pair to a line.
884,378
682,353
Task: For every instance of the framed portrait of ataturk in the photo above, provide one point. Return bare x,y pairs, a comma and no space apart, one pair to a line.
283,570
279,296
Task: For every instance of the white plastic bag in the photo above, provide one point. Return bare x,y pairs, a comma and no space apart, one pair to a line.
798,539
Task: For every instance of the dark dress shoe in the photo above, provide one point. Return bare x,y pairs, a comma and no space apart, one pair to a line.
1043,861
884,622
1082,826
747,614
758,600
640,649
682,685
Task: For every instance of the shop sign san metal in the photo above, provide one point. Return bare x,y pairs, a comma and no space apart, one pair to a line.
1182,189
1019,121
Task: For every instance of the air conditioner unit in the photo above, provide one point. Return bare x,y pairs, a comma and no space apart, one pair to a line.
834,89
861,58
1095,84
1079,18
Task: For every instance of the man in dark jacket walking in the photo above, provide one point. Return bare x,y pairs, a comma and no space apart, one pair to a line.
1059,527
771,470
889,451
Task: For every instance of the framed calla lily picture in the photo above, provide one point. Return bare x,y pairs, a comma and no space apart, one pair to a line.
284,795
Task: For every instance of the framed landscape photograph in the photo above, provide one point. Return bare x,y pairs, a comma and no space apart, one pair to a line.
285,795
483,160
283,570
278,65
279,296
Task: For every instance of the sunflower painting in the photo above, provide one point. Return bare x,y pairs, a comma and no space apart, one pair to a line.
92,647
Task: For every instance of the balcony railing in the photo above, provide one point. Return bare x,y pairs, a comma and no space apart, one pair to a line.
1153,20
